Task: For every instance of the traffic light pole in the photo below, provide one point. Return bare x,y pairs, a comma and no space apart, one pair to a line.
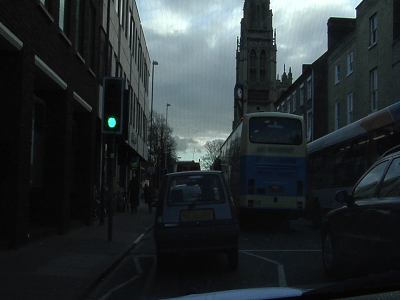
104,182
111,175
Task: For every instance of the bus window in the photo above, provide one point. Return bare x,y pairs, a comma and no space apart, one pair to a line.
273,130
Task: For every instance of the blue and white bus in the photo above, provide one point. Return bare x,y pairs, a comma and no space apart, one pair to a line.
337,160
265,163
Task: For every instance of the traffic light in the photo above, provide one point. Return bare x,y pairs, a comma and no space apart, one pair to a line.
134,162
113,103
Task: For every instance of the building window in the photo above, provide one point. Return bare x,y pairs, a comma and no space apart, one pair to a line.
337,115
132,106
350,58
396,20
309,88
301,94
128,31
263,66
374,90
253,65
64,16
80,7
337,73
92,34
374,29
294,101
309,122
119,70
38,143
288,105
110,67
114,65
121,13
132,36
46,4
283,106
116,6
350,108
140,59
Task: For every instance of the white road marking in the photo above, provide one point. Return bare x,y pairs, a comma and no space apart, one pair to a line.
139,270
278,250
281,271
119,287
138,239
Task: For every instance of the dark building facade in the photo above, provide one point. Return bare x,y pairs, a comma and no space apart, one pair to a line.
306,97
49,76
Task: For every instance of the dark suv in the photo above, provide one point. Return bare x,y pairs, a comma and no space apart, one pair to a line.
195,212
365,230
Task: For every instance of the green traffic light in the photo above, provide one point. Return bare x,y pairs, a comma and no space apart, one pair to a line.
112,122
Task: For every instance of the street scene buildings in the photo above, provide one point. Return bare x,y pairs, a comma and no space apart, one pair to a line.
55,54
356,76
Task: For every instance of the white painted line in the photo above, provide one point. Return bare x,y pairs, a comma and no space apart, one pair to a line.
119,287
291,250
281,276
281,271
139,238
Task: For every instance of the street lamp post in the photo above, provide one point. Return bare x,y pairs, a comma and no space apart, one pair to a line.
166,126
155,63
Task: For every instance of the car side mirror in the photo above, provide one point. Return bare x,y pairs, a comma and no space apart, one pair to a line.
343,197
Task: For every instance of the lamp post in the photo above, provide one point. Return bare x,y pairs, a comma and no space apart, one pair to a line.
166,126
155,63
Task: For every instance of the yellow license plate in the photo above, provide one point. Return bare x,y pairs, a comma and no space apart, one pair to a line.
197,214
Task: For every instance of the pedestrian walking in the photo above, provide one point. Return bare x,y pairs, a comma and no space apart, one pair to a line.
148,195
134,192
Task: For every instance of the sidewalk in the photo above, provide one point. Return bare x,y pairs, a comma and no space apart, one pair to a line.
68,266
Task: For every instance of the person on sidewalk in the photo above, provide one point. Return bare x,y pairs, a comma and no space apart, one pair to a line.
148,196
134,192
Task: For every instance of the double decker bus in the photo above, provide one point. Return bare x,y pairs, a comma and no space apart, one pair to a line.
264,162
336,161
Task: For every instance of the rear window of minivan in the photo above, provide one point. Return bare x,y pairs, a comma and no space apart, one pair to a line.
184,190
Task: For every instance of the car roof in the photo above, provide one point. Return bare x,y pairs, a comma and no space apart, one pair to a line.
395,151
387,156
189,173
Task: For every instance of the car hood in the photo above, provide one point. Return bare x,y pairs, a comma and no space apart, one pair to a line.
386,284
248,294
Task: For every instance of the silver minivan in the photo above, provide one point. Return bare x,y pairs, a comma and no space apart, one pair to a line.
195,213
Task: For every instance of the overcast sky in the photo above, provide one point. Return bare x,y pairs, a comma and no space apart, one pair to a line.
194,42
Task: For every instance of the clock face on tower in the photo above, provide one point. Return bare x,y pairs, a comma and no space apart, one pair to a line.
239,93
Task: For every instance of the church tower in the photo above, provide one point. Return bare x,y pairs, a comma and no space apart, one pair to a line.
255,88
